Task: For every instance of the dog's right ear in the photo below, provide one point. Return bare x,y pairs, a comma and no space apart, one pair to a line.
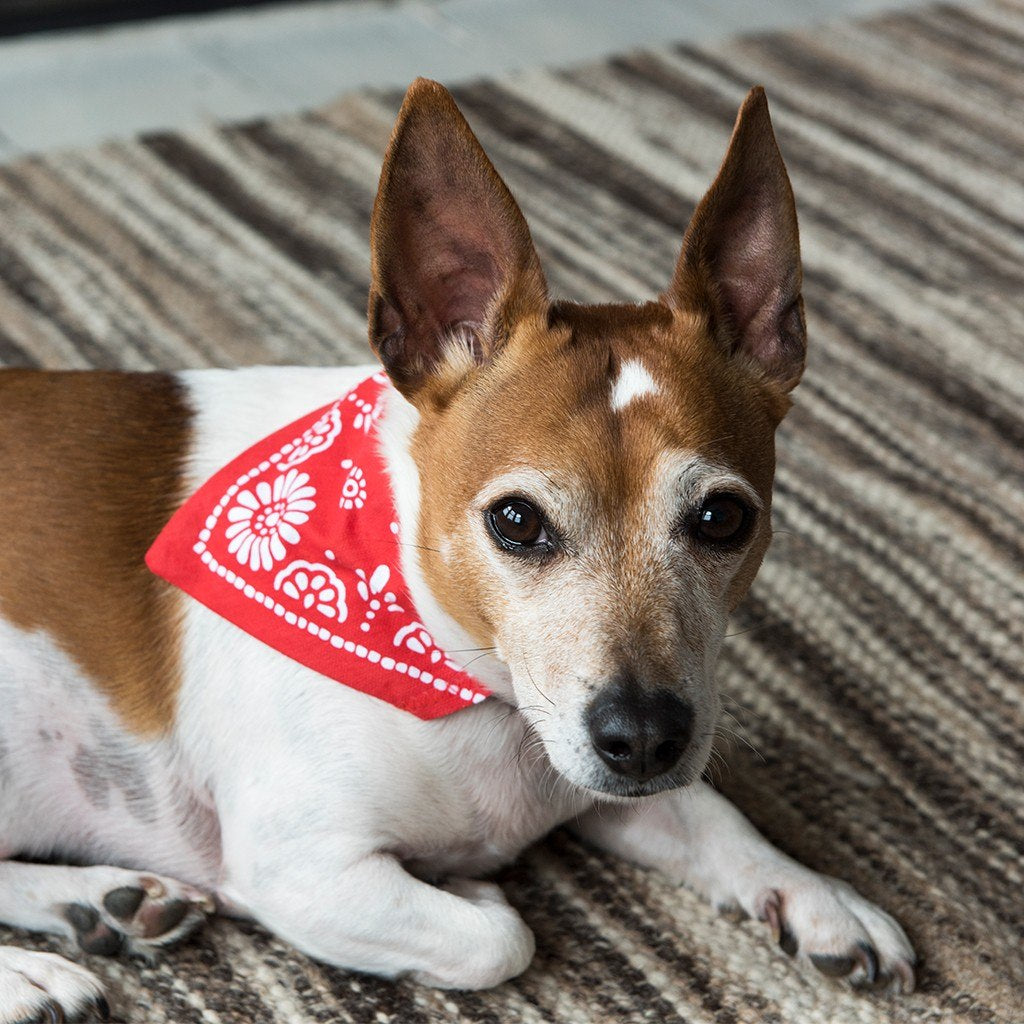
452,260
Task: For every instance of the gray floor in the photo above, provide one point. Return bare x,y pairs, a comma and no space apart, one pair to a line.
80,87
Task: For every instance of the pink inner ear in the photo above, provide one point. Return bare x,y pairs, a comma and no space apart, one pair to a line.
760,296
446,274
448,238
756,282
742,249
454,275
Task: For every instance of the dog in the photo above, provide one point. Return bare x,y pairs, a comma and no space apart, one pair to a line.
580,495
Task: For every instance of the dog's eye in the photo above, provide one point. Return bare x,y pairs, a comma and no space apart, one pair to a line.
516,525
723,519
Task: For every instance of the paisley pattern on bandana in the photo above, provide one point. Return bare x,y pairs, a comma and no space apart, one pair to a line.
307,560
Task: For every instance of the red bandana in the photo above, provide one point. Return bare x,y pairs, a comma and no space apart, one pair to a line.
295,541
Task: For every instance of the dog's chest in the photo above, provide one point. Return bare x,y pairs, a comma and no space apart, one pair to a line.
494,792
295,756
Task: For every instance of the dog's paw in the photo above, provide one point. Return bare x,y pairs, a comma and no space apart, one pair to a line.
503,945
135,912
828,923
38,986
481,893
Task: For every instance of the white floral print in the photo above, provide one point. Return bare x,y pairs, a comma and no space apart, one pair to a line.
261,523
366,413
315,439
314,586
416,638
372,590
353,490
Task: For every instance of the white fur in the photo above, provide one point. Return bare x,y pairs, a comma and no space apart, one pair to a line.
31,983
37,894
330,813
634,381
60,742
726,859
561,640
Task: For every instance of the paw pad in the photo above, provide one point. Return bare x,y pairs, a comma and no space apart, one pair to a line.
141,916
122,903
91,933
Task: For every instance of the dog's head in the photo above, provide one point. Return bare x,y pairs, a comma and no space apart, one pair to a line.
594,481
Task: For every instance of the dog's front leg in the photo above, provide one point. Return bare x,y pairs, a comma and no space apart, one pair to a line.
373,916
696,836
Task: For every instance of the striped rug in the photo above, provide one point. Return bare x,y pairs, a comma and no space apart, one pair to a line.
877,706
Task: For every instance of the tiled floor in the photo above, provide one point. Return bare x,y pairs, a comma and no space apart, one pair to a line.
80,87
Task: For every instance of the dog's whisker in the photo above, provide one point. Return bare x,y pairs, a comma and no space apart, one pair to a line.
740,729
721,765
486,654
501,721
514,759
745,708
530,741
732,717
729,734
421,547
536,687
582,801
536,747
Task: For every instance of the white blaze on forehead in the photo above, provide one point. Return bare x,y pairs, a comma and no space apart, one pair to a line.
633,381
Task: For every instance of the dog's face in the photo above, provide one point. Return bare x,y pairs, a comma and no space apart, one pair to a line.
595,482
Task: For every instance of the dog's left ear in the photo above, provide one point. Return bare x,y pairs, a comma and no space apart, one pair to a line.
741,253
451,253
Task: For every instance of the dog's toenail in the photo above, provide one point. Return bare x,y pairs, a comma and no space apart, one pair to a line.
122,903
101,1008
869,959
883,981
53,1013
206,903
787,940
833,966
154,887
167,918
905,972
102,941
81,917
732,911
771,913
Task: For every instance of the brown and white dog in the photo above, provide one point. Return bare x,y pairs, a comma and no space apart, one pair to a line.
635,443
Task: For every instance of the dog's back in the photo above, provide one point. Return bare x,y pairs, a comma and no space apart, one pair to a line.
89,475
91,465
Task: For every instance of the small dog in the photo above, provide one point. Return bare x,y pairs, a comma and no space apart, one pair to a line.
581,494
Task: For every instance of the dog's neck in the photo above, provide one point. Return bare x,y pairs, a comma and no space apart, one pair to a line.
396,427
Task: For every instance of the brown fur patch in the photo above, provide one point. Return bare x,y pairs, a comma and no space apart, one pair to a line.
544,402
90,471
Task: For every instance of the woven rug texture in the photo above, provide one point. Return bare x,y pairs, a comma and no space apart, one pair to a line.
876,726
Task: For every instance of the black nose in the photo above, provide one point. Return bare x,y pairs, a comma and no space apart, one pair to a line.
639,733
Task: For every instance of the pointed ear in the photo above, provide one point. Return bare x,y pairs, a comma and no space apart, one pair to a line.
451,254
741,253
